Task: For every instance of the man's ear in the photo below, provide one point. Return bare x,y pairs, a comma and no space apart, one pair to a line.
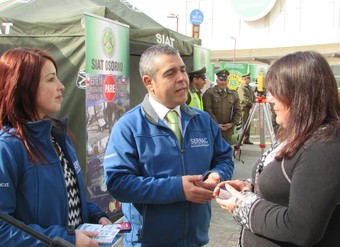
147,80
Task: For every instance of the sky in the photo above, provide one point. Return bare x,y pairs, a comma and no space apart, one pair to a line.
160,9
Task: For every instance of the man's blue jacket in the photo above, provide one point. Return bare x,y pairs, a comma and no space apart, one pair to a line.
144,165
36,194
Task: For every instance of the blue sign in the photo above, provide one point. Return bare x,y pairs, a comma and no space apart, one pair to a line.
196,17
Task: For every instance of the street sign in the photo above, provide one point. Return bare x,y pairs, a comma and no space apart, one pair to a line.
109,88
196,17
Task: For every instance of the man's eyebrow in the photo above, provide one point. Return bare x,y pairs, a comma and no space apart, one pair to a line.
174,68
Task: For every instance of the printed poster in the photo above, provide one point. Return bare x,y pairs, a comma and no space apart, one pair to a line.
202,59
107,98
236,71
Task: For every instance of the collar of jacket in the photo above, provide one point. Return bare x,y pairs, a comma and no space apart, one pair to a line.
43,129
217,90
194,90
152,116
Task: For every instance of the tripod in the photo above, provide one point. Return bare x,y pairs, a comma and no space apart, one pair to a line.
262,104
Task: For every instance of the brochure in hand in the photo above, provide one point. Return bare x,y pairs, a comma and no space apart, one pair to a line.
224,194
107,235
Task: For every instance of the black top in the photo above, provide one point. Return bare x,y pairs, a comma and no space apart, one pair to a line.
305,211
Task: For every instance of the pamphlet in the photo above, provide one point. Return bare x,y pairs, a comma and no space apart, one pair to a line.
106,234
224,194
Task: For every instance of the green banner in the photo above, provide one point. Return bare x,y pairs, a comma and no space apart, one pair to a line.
256,70
212,72
202,59
103,37
107,98
236,71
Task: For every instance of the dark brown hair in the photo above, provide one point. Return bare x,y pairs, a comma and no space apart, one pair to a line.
305,83
20,71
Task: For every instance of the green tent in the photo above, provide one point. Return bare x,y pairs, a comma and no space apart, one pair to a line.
56,26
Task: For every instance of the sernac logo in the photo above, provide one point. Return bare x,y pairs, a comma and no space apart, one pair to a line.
199,142
108,42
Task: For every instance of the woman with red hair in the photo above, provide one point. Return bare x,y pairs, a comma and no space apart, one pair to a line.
40,178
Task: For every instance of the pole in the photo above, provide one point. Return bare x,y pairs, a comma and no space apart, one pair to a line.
234,50
56,242
234,38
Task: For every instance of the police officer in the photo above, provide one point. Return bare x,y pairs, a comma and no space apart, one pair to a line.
223,105
197,81
247,99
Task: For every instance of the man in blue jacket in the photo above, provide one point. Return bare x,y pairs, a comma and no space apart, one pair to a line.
165,175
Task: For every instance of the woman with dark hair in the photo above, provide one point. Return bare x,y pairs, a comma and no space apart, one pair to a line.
294,194
40,177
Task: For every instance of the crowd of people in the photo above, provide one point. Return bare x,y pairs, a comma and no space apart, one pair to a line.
171,155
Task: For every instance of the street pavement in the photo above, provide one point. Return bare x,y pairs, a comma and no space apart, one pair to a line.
224,232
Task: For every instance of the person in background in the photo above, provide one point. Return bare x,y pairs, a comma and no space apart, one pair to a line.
293,198
247,99
164,159
197,81
223,105
40,177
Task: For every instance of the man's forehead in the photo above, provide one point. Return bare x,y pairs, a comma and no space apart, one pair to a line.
169,61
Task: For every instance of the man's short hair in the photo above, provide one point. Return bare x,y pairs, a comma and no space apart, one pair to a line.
146,62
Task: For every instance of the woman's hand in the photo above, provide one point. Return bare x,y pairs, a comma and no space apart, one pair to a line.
231,203
240,185
83,239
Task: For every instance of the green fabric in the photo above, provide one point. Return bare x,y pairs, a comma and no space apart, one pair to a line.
171,116
63,18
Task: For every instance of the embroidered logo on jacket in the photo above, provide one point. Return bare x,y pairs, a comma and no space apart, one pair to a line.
4,185
199,142
77,166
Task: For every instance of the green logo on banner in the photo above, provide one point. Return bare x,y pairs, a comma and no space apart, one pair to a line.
108,42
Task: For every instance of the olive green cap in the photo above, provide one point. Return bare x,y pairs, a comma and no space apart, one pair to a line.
198,73
246,75
222,74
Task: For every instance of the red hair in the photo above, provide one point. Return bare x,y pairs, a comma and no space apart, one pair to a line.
20,72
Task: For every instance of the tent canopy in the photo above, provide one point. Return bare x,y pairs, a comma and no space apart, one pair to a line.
48,18
57,27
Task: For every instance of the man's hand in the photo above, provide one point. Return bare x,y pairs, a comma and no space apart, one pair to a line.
211,182
224,127
228,126
195,193
104,221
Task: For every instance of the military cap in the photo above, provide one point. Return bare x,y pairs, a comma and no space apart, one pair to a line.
198,73
246,75
222,74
